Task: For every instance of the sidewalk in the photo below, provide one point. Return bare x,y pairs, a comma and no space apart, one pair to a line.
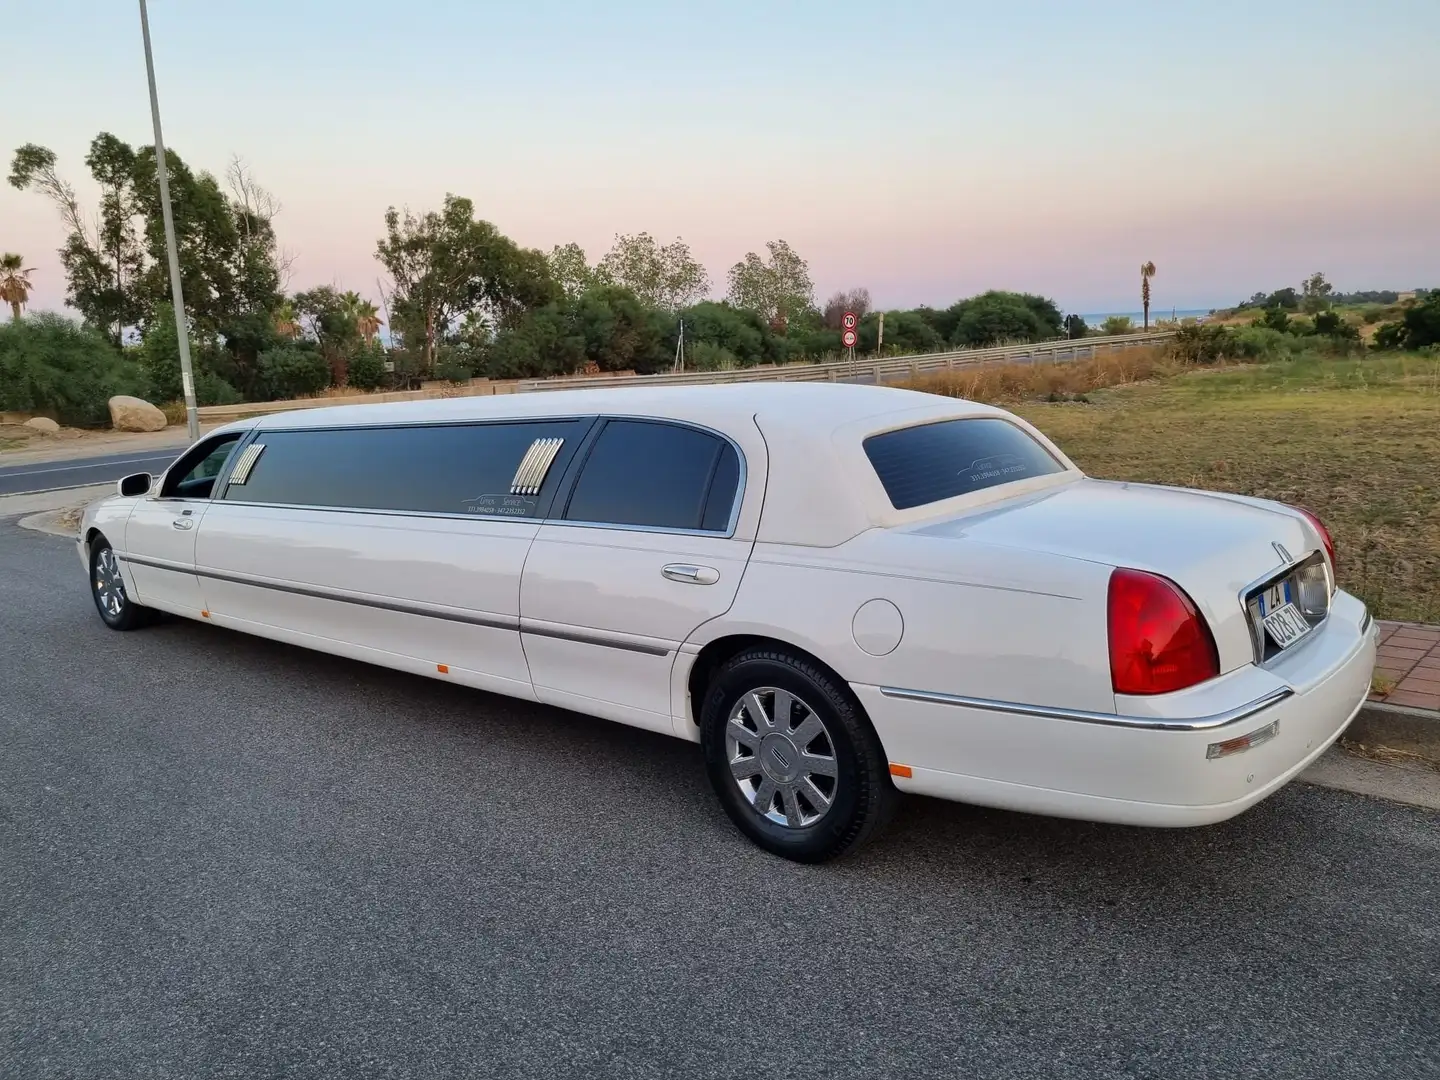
1409,665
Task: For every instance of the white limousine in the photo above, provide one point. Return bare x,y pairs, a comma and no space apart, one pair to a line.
840,592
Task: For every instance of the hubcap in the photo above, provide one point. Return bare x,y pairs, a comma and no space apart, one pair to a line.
781,757
109,585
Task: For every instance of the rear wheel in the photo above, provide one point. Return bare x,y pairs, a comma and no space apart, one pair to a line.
107,587
792,758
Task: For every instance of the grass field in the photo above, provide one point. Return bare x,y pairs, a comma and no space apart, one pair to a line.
1357,441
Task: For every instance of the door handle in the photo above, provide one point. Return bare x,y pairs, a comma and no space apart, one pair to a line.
691,575
182,523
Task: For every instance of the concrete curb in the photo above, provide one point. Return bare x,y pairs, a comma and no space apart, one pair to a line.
48,521
34,503
1397,727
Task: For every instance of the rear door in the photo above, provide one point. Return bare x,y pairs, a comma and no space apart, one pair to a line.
643,552
401,545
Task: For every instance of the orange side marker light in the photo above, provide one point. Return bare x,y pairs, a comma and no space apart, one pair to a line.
903,771
444,669
204,614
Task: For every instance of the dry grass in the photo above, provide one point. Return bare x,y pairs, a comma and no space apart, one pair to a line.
1355,440
1003,383
1390,756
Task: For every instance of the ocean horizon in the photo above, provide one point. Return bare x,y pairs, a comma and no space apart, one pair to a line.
1137,317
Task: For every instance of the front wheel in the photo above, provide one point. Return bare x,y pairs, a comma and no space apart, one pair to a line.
107,587
792,758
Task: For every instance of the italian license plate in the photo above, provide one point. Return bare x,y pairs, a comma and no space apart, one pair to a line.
1277,613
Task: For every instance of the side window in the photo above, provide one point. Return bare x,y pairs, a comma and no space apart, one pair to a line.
931,462
193,477
656,475
490,470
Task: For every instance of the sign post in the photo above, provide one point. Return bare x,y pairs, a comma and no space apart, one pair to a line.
848,337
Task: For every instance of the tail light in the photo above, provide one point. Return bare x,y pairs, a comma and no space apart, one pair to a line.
1158,641
1324,533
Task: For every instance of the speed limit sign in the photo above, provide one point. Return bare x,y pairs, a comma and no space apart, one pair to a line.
848,339
849,322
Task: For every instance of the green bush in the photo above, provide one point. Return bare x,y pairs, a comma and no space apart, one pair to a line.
292,371
1274,318
1116,324
51,365
1263,343
453,368
706,356
367,368
1330,324
159,362
1390,336
1208,344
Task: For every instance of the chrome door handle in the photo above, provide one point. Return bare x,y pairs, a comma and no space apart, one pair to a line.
182,523
691,575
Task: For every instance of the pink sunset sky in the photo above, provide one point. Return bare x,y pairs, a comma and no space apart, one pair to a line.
927,151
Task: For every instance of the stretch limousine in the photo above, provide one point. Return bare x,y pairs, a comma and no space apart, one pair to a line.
840,592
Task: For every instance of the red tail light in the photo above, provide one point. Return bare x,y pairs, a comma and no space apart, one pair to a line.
1324,533
1158,641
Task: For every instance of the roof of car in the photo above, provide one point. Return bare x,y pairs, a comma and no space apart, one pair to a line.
823,406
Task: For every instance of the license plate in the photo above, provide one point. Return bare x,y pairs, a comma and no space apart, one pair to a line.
1286,625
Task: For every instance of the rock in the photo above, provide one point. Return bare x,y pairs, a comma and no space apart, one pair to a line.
43,424
134,414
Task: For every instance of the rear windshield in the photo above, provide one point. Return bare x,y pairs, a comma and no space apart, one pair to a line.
931,462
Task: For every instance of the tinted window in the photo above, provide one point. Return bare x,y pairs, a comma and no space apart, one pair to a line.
660,475
450,469
931,462
193,476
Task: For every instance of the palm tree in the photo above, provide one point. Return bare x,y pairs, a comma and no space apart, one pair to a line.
365,314
1147,271
287,323
15,284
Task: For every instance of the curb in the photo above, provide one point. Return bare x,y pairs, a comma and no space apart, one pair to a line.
48,521
1397,727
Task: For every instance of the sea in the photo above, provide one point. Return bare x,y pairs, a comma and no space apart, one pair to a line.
1138,317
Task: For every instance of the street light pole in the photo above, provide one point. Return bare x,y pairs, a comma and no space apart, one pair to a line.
187,377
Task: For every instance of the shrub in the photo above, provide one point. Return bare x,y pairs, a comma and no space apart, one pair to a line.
1117,324
1390,336
1263,343
292,371
1208,344
367,368
1422,322
707,356
453,367
1330,324
49,364
1274,318
159,362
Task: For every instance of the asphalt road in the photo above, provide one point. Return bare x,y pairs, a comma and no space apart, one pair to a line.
224,857
49,475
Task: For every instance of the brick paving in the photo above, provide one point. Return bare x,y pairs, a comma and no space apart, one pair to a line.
1409,662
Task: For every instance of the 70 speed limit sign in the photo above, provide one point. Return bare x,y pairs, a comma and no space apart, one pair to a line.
849,322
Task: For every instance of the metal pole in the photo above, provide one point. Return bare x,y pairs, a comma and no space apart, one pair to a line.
182,333
880,338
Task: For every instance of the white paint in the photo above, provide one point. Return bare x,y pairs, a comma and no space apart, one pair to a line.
877,627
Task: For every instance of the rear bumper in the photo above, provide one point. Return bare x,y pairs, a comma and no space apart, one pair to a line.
1132,774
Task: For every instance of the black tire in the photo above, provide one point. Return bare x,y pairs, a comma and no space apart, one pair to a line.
124,615
862,797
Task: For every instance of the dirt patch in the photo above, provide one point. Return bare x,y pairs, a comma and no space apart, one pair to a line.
20,437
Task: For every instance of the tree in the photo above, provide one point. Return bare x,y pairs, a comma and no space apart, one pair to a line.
15,282
447,263
363,313
996,316
287,320
779,288
569,268
51,365
1316,292
1075,327
1116,324
667,277
327,320
856,300
1147,271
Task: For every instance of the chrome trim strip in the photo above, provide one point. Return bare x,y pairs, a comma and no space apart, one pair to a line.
586,638
1366,621
245,462
1152,723
495,622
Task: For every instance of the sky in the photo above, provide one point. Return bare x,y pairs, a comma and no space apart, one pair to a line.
924,150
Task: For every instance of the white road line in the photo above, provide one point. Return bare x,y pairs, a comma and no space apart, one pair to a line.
70,468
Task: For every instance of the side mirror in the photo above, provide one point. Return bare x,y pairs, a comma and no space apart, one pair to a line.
134,484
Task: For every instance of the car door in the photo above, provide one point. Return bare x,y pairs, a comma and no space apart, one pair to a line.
399,544
643,552
160,533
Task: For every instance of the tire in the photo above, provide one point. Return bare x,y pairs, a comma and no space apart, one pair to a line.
107,589
804,793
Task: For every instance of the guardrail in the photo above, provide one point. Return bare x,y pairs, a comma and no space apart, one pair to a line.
878,371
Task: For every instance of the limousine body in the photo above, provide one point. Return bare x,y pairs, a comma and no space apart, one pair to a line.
840,592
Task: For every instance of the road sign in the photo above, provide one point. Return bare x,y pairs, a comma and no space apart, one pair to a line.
849,322
848,339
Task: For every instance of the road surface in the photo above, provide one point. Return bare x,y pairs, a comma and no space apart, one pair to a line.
77,472
225,857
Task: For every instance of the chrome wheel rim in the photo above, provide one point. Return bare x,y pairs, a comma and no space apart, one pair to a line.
781,757
109,585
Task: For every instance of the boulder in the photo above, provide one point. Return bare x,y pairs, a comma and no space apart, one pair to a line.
135,414
42,424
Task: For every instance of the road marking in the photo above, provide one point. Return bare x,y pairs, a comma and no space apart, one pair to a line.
5,474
